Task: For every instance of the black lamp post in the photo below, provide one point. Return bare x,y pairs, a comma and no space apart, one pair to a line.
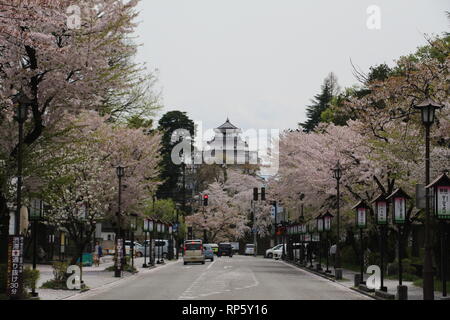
337,174
148,226
170,246
158,232
301,228
82,216
163,231
428,109
327,217
133,228
441,188
320,229
381,219
398,198
119,243
361,223
35,215
21,116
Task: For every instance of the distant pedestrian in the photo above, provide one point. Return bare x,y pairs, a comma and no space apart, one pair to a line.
98,253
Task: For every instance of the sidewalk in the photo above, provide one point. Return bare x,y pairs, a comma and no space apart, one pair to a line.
414,292
93,277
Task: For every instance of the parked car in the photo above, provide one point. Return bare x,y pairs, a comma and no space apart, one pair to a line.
157,244
208,252
277,253
225,249
249,249
214,246
269,252
235,246
193,251
138,248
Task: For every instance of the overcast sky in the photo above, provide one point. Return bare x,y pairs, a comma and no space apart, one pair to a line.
259,62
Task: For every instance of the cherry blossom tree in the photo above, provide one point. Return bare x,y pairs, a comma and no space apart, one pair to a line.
227,215
86,181
59,68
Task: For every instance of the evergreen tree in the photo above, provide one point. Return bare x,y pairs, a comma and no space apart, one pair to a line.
171,172
320,103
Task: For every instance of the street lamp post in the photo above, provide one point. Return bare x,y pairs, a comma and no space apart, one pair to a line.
133,228
36,214
23,103
361,223
158,233
148,225
441,192
428,109
327,217
381,219
337,174
119,243
170,246
319,226
82,215
398,198
120,171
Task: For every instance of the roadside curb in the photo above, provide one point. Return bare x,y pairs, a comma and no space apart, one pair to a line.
120,280
330,279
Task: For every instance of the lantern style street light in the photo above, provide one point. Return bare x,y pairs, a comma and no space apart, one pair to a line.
119,243
133,228
398,199
337,174
327,218
319,228
82,216
361,223
35,215
148,227
441,192
22,102
381,219
158,232
428,109
170,246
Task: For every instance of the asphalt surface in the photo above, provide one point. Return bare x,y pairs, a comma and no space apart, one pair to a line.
237,278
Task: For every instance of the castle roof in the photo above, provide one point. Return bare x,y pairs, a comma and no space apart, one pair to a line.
227,125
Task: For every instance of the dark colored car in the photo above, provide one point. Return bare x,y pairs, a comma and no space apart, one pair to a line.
225,249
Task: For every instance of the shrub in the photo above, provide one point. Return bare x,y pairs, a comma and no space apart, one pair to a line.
59,271
30,278
60,277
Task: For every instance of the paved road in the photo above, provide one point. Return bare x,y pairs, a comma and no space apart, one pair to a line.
237,278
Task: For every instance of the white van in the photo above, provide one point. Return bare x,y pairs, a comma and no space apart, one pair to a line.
193,251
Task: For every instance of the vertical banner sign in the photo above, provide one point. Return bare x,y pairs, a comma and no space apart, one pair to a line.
361,217
382,218
15,266
443,202
119,253
400,210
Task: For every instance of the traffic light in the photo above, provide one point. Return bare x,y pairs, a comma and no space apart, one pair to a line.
205,200
263,194
255,194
